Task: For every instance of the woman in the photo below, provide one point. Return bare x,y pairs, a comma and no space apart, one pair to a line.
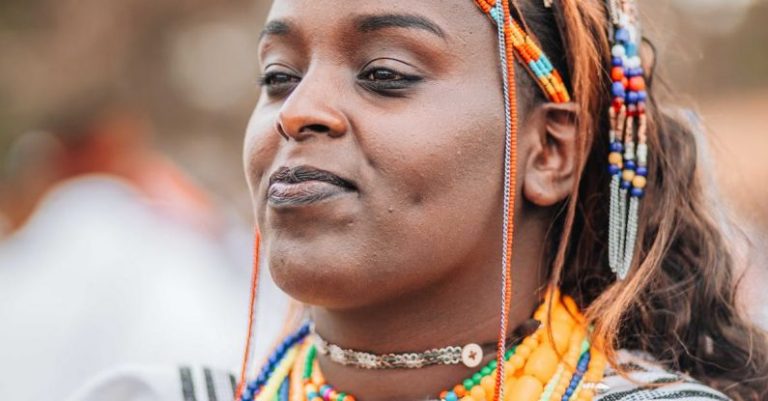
424,206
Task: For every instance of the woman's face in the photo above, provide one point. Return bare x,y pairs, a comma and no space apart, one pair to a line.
374,156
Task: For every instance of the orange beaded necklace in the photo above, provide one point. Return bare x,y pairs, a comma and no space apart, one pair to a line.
557,362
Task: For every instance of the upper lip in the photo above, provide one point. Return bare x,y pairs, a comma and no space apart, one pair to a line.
297,174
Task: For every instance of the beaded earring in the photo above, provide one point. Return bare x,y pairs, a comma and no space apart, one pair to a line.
628,158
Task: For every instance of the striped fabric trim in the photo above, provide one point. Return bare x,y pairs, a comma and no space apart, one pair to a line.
205,384
665,384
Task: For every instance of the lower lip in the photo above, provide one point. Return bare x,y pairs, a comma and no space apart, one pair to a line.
303,193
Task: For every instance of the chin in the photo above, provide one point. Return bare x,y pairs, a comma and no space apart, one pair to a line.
323,272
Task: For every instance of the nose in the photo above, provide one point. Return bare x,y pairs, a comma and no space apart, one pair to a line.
311,110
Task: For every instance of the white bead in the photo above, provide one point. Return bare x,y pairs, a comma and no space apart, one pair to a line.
619,51
472,355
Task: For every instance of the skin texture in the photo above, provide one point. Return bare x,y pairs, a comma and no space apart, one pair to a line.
412,116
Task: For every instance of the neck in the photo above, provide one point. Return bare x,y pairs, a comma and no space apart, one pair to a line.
456,312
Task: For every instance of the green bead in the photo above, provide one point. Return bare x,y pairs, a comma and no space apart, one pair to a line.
476,378
468,384
341,396
493,364
485,371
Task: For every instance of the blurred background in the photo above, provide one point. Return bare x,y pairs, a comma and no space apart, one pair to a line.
121,124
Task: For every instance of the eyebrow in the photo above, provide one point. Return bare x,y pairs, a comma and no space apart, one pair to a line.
276,28
371,23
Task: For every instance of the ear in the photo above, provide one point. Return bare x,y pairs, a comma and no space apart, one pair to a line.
550,162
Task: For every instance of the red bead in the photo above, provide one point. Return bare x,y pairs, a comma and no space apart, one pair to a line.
625,82
617,74
641,108
617,103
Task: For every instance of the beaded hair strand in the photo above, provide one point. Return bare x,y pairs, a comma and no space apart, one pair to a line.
514,41
627,134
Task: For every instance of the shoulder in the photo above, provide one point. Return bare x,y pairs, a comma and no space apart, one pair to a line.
648,380
145,383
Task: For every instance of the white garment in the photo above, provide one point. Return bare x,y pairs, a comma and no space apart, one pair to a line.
97,280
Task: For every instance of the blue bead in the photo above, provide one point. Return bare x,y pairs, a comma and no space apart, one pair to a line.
617,89
617,147
617,62
631,49
642,96
637,72
622,35
630,165
451,396
626,185
637,192
632,97
248,394
643,171
614,169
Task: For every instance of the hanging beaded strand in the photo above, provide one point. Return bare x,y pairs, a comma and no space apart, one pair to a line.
250,338
628,157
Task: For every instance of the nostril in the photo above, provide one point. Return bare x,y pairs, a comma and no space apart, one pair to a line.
318,128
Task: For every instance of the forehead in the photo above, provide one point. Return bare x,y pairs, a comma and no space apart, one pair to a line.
454,17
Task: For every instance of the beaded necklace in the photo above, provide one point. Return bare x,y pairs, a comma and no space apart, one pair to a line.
555,363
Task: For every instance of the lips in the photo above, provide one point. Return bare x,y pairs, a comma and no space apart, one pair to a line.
303,185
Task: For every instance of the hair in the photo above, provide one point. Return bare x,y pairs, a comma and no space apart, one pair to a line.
679,302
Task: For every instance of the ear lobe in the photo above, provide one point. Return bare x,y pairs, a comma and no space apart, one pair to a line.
551,163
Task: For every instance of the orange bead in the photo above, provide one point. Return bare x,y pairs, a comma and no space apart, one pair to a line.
617,74
467,398
526,388
460,390
542,364
637,84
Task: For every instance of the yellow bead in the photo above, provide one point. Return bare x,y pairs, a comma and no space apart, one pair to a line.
488,384
526,388
615,158
639,182
516,362
523,350
530,342
561,334
628,175
478,393
542,364
467,398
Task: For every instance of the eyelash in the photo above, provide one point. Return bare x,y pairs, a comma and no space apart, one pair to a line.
386,87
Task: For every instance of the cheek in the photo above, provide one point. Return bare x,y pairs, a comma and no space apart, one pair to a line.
439,164
441,153
259,148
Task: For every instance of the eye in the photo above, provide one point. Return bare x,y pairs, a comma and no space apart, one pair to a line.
387,81
278,82
383,74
